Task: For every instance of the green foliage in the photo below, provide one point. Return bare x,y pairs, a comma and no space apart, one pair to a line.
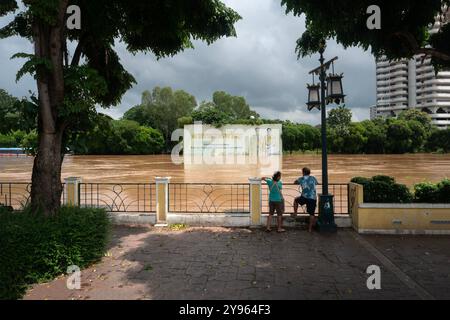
426,192
12,140
339,119
375,133
384,189
208,113
32,66
183,121
72,82
404,30
400,136
117,137
225,109
235,107
382,192
84,87
29,143
407,134
416,115
16,114
161,109
385,179
7,6
439,140
36,248
351,140
361,180
444,191
7,141
300,137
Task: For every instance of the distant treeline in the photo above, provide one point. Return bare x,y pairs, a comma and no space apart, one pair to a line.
147,127
411,132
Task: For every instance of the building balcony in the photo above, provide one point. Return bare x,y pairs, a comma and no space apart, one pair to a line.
440,117
400,86
390,108
400,100
421,68
399,79
434,104
384,77
382,63
381,70
399,73
425,76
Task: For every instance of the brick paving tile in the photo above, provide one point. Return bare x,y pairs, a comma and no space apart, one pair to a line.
220,263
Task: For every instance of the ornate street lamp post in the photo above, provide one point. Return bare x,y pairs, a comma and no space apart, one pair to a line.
330,91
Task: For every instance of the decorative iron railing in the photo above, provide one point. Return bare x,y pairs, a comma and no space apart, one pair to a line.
17,194
209,198
118,197
182,197
292,191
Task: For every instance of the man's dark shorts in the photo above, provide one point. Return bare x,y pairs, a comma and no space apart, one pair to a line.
276,206
311,204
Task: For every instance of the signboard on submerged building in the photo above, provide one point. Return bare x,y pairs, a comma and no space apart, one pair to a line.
245,145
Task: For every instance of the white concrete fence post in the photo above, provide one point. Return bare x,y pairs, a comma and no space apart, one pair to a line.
71,191
162,200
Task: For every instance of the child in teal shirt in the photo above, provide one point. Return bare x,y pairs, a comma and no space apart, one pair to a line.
276,201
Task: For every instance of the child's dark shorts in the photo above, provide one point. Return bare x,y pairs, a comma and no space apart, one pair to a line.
277,207
311,204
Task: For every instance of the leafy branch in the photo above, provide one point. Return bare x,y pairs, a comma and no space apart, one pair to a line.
32,66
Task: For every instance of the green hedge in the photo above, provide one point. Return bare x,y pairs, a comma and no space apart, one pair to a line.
384,189
432,192
36,249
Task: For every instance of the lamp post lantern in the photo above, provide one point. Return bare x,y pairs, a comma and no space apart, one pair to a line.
330,91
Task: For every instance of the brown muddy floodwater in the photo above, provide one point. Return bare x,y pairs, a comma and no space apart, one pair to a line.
407,169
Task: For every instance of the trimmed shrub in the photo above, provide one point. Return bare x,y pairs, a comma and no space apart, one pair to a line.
384,189
386,179
400,193
361,180
444,191
37,248
376,192
426,193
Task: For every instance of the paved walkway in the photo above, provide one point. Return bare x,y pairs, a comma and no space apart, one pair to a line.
217,263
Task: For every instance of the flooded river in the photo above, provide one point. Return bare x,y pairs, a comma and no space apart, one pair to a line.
407,169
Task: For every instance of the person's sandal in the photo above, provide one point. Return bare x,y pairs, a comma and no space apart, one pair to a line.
268,230
281,230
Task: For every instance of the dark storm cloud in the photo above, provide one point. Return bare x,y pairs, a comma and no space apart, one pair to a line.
260,64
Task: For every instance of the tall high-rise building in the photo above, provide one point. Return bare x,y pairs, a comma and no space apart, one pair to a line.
413,84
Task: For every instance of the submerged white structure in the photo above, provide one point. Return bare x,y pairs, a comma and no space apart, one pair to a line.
246,145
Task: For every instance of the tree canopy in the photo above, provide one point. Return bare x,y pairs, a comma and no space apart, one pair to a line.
224,109
404,29
16,114
161,109
71,83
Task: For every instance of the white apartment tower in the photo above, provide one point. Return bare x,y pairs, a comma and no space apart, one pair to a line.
413,84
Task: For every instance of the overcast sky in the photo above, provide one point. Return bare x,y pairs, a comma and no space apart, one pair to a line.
260,64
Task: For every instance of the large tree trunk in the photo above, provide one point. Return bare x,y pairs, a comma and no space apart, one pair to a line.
49,44
46,186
